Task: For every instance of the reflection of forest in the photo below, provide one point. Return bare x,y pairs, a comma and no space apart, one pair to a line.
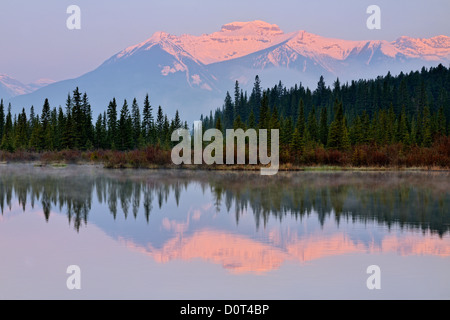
415,200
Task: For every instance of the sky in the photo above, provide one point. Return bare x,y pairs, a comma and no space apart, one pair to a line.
35,42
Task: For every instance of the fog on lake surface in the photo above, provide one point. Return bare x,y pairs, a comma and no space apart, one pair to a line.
179,234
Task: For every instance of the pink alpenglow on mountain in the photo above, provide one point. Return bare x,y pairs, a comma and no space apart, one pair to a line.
190,72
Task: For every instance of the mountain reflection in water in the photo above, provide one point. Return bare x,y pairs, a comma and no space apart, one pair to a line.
298,216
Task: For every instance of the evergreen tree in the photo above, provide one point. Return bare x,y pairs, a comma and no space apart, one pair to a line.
251,120
264,113
177,121
441,122
21,136
300,125
237,100
313,128
219,124
2,118
160,124
323,128
125,132
7,142
45,131
228,111
147,121
338,135
297,142
426,125
112,124
137,134
88,129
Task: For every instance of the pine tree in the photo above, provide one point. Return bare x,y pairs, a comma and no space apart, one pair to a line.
99,133
21,136
403,134
323,127
426,128
177,121
136,115
251,120
338,135
300,125
77,118
147,121
286,132
112,125
297,142
237,100
125,132
441,122
46,127
228,111
7,142
159,125
36,137
256,95
2,119
313,128
264,112
166,134
88,129
238,124
274,119
219,124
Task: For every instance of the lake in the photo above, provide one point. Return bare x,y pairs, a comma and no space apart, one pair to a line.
179,234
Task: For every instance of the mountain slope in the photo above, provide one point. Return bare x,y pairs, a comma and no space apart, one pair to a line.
10,87
191,73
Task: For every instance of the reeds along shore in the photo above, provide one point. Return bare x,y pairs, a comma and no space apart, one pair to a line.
395,156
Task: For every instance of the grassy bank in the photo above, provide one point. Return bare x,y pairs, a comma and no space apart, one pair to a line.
365,157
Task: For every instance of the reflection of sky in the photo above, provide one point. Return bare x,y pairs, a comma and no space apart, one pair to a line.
194,246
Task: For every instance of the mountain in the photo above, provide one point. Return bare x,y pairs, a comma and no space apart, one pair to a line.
192,73
10,87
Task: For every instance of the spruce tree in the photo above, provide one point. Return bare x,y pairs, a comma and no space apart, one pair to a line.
147,122
264,112
112,124
125,130
426,128
251,120
313,128
7,142
323,127
2,118
136,115
159,125
21,136
338,135
300,125
46,127
228,111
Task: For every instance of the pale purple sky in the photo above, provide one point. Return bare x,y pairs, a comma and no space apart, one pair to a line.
35,43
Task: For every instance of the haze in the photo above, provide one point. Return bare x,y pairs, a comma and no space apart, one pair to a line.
36,43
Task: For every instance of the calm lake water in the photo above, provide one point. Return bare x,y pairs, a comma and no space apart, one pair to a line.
175,234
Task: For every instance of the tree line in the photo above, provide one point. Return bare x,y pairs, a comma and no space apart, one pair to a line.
73,128
411,109
408,111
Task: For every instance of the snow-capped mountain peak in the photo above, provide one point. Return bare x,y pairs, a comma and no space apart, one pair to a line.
182,71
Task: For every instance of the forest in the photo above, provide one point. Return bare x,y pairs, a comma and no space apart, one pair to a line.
400,121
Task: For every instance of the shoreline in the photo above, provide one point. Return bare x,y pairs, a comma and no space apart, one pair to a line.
223,167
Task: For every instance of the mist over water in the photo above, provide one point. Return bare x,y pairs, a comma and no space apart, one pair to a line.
306,233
